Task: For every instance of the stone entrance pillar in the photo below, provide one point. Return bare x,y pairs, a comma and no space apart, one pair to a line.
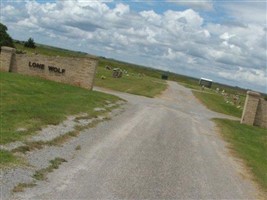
7,59
250,108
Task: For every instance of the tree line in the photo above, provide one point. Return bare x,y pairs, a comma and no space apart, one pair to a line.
6,39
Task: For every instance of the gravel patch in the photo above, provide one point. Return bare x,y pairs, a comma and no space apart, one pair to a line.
53,131
39,159
12,177
110,105
99,109
21,129
11,146
84,122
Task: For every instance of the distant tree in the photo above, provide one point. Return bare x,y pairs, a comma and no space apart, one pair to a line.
5,39
30,43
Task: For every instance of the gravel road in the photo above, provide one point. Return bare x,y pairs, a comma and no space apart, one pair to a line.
161,148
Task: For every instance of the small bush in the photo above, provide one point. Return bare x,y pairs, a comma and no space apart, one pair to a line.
30,43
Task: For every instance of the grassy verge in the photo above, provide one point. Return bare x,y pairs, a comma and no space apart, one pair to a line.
133,82
28,103
217,103
250,144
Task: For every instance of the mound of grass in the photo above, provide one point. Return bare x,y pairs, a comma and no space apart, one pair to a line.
216,103
29,103
250,144
54,164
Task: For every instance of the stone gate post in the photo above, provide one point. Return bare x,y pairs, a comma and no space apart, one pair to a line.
7,57
250,108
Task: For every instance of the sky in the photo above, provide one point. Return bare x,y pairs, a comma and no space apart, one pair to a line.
222,40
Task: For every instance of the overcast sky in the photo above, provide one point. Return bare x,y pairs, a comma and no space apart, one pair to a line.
221,40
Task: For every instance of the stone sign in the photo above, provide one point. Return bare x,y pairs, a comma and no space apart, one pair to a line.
70,70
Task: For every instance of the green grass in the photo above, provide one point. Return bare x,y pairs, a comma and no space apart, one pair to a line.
217,103
29,103
250,144
7,159
136,83
131,68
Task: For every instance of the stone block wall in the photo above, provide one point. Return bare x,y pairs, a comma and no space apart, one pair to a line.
255,110
70,70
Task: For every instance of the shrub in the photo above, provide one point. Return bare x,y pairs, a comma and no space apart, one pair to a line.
30,43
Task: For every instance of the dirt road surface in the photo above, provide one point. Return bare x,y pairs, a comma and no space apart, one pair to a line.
161,148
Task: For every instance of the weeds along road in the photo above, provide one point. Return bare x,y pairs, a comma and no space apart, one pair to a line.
161,148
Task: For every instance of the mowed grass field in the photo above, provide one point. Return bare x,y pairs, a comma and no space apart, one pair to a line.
132,82
29,103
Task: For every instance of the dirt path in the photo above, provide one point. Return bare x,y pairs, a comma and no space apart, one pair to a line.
162,148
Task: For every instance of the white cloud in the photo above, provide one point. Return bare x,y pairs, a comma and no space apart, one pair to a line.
184,18
226,36
250,76
247,12
151,17
180,41
196,4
